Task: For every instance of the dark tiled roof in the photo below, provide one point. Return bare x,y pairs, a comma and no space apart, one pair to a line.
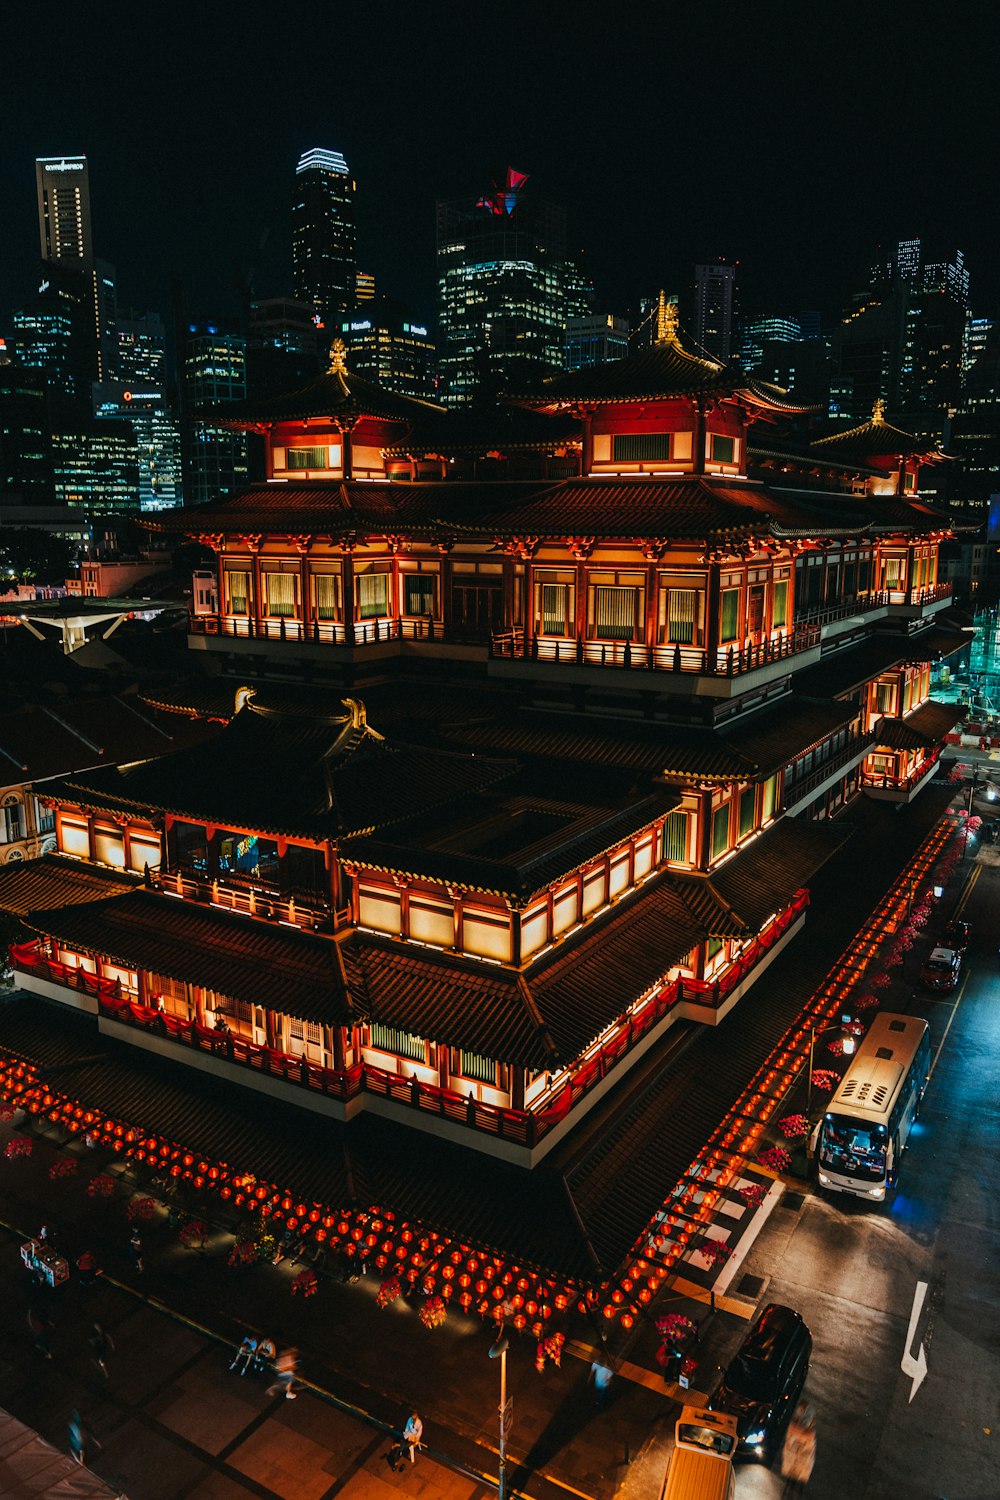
57,880
579,840
259,962
922,729
777,734
764,876
81,732
875,438
338,393
502,428
847,670
291,773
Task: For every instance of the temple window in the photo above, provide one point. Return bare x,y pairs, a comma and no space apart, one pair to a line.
471,1065
306,873
279,594
779,607
676,838
748,810
555,603
306,458
326,596
144,849
191,848
74,836
109,847
379,909
12,820
372,595
722,449
770,798
885,697
616,607
641,447
432,922
892,573
680,616
729,615
420,594
720,831
237,592
399,1043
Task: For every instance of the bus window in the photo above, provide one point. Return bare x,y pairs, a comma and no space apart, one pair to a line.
855,1148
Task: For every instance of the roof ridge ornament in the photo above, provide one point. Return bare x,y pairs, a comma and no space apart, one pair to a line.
878,411
338,358
244,696
666,320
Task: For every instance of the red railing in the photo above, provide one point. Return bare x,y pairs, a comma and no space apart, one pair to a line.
320,632
883,782
521,1127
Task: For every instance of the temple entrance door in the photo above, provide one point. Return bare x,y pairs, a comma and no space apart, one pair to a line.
476,608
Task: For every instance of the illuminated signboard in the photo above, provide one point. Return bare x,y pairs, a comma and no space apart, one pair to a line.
64,166
415,328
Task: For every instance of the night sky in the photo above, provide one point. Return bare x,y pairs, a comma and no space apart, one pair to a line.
794,138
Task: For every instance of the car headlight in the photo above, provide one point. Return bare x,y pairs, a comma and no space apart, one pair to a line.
753,1438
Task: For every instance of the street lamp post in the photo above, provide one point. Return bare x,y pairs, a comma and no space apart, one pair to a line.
499,1351
814,1032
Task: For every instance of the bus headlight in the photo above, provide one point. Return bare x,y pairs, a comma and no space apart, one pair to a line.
824,1179
878,1192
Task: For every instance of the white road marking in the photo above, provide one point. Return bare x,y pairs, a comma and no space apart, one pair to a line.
916,1369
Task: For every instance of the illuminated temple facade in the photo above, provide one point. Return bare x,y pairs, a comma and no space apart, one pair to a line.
536,727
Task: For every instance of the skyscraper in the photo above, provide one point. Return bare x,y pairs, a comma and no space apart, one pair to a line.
323,235
213,370
714,289
64,233
505,288
387,347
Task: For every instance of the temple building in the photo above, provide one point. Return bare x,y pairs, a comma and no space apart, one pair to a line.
536,726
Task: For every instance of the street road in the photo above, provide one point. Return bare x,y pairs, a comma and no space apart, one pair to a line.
856,1272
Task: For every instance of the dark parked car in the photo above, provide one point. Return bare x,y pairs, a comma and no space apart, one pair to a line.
957,935
763,1382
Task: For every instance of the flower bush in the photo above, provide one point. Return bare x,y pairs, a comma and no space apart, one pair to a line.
243,1253
825,1078
101,1186
7,1111
19,1146
305,1283
64,1167
866,1002
714,1251
776,1158
433,1312
753,1194
193,1233
793,1126
880,982
388,1292
549,1348
141,1210
675,1326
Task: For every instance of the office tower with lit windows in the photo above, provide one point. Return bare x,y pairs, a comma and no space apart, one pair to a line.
282,346
505,290
25,438
96,468
597,339
142,349
324,250
714,295
386,346
977,332
759,332
213,370
64,230
53,334
364,287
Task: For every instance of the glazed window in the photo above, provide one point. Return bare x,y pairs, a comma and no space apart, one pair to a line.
638,447
555,608
675,838
780,606
682,616
238,585
419,594
730,614
723,449
615,613
482,1069
279,589
720,831
326,587
399,1043
306,458
373,595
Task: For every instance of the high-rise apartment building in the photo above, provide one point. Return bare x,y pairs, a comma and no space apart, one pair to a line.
213,371
505,290
387,347
714,294
324,235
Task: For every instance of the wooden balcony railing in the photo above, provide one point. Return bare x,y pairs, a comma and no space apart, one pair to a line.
724,661
318,632
295,909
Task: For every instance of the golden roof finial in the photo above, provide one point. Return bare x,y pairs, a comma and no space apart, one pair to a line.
878,410
666,320
338,358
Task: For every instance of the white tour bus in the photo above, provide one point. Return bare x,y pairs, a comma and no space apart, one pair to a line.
861,1137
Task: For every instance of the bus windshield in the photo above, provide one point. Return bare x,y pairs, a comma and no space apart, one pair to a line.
852,1147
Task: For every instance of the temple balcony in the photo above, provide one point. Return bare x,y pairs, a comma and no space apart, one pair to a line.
522,1136
885,787
798,793
367,640
722,672
919,603
294,909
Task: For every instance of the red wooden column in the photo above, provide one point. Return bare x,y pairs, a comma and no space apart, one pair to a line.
704,833
712,607
348,584
698,441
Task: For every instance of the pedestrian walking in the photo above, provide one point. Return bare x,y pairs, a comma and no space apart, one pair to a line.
41,1331
798,1454
87,1268
80,1437
285,1367
246,1352
103,1346
135,1250
602,1376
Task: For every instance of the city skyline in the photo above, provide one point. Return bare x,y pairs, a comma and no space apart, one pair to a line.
427,128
